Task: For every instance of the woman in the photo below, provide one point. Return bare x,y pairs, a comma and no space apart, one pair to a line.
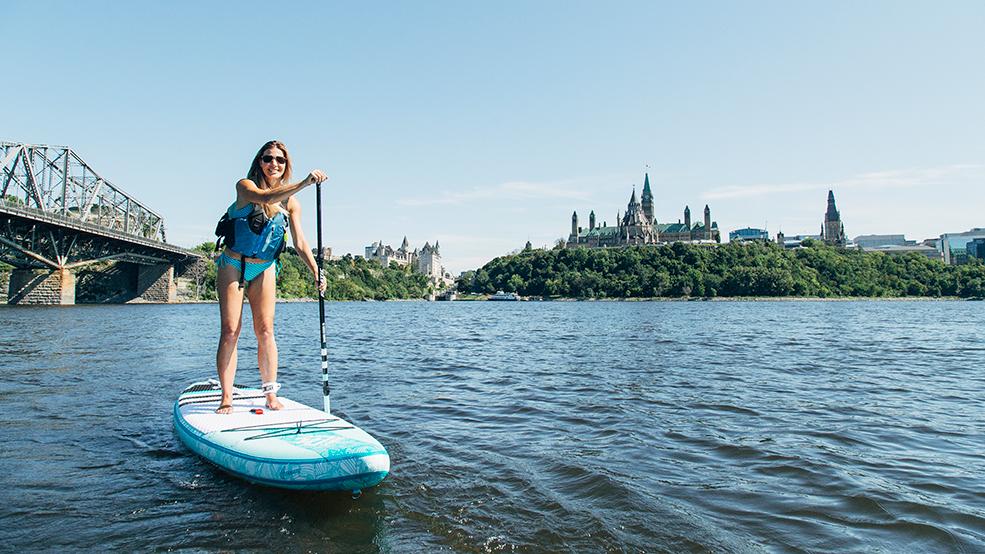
265,206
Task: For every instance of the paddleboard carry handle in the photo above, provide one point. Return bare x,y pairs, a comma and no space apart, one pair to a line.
320,258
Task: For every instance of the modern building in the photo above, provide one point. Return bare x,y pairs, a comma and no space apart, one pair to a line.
640,226
954,247
899,249
976,249
875,241
748,233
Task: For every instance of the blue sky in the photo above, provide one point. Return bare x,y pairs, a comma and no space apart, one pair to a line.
484,125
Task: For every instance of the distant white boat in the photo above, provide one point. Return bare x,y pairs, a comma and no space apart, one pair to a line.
500,295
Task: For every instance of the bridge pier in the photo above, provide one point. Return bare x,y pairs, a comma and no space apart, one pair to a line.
155,283
41,286
117,283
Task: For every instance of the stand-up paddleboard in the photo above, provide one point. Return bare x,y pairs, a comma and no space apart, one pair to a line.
297,447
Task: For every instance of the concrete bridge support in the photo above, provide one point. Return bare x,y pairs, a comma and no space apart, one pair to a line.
41,286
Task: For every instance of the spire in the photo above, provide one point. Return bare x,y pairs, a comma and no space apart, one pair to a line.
632,199
647,199
832,213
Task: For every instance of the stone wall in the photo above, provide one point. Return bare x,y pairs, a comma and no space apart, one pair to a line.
4,285
110,283
41,286
155,283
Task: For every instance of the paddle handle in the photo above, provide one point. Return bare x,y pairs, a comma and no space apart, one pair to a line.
326,392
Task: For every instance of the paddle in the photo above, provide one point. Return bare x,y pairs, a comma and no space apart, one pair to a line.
321,308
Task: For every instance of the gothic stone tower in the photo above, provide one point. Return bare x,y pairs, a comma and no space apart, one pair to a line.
708,233
833,231
635,228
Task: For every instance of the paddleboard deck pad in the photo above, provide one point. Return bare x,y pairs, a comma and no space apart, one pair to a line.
297,447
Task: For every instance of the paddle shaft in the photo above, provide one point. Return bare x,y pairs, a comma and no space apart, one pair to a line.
321,308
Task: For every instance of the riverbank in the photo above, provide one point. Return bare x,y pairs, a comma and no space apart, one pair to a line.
733,270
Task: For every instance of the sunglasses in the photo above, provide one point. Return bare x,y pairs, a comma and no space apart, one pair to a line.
268,159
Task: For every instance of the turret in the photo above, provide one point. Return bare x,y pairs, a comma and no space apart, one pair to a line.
574,224
708,234
687,217
591,220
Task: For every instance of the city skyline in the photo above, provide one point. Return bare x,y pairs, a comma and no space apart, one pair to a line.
484,136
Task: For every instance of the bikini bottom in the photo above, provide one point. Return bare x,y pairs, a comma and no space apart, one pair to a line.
253,269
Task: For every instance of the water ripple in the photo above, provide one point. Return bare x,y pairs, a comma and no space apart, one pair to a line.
601,426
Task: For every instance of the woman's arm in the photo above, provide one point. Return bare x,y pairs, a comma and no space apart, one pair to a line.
247,191
297,236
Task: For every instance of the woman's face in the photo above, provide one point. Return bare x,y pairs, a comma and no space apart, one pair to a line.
273,162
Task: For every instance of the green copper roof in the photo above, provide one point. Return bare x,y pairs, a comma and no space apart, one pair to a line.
647,195
672,228
599,232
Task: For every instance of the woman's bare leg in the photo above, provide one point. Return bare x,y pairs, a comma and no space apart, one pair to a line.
231,321
263,299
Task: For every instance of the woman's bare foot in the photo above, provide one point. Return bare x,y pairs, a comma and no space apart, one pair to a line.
273,403
225,405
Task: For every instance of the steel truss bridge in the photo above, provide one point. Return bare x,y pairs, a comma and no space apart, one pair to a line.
57,212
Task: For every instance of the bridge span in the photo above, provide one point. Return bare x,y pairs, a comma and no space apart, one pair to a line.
59,218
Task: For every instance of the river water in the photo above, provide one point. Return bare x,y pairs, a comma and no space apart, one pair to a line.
573,427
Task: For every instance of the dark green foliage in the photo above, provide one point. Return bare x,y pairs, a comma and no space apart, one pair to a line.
348,279
12,200
734,269
206,290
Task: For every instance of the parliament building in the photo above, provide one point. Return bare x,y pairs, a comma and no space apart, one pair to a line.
640,226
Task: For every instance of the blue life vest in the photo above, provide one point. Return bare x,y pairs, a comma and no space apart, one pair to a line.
250,233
